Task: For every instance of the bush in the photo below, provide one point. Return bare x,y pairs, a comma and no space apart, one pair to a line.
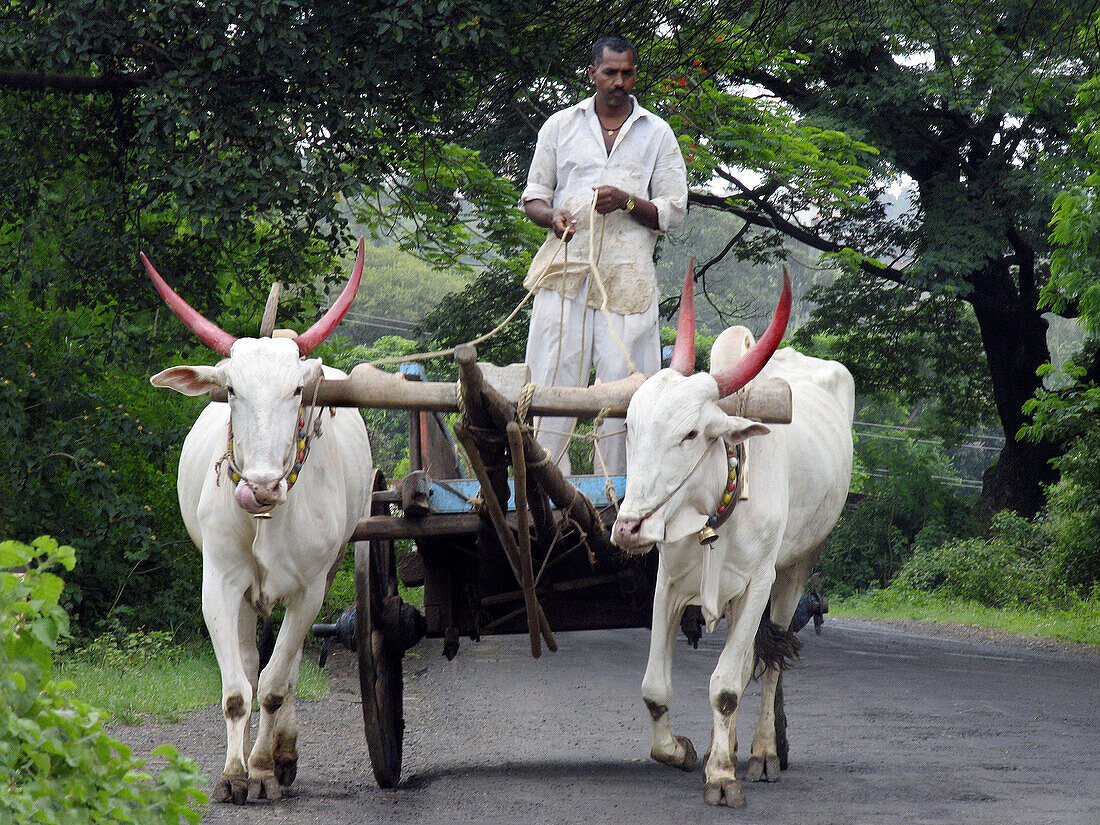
1009,569
57,764
1073,515
121,649
904,508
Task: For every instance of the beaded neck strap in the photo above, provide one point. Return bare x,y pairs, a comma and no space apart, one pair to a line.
735,483
302,439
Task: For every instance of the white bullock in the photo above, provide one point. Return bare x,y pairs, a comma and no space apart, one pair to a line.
679,465
270,488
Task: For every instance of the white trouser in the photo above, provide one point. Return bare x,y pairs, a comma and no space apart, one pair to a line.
559,357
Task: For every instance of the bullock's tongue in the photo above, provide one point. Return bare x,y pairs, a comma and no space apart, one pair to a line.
246,499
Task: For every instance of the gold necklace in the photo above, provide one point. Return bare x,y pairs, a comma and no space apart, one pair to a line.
610,132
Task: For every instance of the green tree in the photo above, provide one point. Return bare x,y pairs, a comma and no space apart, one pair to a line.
920,350
225,140
136,126
57,763
396,292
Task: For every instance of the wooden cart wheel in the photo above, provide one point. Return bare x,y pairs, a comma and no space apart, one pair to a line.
379,659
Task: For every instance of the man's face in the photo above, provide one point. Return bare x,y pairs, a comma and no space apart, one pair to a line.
614,77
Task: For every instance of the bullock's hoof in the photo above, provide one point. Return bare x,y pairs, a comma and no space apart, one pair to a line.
285,755
725,792
231,789
286,770
685,763
264,786
763,769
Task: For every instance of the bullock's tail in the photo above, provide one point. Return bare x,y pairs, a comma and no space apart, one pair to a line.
266,643
774,646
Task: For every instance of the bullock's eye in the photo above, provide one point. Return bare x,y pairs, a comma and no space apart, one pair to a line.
229,391
691,435
298,391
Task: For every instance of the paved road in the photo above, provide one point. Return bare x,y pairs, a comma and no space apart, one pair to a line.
886,728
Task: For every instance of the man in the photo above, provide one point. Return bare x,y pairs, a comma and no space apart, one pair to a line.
610,150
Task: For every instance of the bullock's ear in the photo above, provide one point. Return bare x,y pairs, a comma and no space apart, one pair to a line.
735,429
312,371
189,380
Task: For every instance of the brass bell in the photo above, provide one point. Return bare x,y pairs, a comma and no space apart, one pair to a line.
708,535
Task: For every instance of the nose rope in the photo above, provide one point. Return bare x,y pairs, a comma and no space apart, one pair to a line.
683,481
293,465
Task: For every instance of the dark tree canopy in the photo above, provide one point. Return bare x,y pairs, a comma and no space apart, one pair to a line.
970,101
146,122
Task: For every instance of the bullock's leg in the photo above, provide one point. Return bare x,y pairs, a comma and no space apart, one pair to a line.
672,750
765,763
727,685
250,654
273,763
223,603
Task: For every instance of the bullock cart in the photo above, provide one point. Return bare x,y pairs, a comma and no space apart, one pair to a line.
504,543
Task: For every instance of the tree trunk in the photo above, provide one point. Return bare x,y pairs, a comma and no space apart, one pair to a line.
1014,336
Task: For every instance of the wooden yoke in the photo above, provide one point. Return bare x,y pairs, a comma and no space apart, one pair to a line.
370,387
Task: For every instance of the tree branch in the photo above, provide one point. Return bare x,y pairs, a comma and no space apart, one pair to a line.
773,220
73,84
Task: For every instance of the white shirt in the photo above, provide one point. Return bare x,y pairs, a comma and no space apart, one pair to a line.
570,159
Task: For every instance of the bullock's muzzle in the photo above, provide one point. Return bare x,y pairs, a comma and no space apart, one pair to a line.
634,535
259,498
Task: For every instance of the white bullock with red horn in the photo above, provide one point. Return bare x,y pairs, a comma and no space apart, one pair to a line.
271,488
738,529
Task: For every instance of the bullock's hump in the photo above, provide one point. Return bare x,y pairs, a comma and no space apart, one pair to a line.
730,345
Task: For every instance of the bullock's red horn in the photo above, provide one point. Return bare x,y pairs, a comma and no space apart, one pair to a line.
735,376
317,333
207,331
683,354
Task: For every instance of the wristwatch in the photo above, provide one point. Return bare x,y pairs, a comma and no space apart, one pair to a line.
629,203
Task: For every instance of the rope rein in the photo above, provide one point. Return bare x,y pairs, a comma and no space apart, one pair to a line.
309,427
563,246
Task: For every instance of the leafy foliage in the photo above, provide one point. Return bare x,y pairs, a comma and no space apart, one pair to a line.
396,291
1068,409
388,429
920,349
1007,569
57,764
227,101
90,456
905,506
804,121
480,307
1073,515
1075,227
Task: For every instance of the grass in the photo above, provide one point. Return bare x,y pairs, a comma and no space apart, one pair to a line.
1077,622
162,685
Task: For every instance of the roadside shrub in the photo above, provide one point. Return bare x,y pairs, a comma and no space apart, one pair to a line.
1073,515
904,507
57,764
1008,569
118,648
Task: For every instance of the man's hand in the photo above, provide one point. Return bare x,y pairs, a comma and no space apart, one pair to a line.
610,198
560,220
563,223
